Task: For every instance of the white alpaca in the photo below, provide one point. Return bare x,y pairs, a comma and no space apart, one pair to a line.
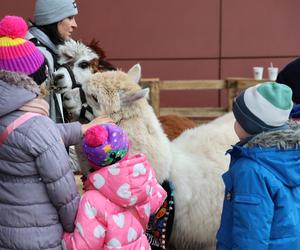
199,187
83,62
194,162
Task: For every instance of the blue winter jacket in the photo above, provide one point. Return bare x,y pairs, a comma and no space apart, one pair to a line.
295,113
261,207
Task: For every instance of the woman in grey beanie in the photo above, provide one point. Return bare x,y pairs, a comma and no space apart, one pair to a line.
53,24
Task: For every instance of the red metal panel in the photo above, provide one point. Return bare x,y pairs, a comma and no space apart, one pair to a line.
260,28
152,29
17,8
176,39
243,67
174,69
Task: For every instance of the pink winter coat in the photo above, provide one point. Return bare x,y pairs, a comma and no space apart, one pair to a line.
114,213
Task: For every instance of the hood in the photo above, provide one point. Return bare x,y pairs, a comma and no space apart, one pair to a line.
278,151
130,183
16,89
35,32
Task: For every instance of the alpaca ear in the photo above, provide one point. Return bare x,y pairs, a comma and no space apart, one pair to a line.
135,73
66,54
130,97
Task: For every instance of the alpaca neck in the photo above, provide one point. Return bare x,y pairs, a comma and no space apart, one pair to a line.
146,136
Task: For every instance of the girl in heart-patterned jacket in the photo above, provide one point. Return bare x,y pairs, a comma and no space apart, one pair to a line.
122,194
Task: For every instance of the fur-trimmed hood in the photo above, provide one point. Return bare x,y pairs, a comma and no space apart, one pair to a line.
288,138
16,89
278,151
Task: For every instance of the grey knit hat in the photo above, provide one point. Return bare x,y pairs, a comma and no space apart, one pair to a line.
263,107
52,11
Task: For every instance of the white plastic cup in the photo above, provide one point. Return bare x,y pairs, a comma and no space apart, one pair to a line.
258,73
272,73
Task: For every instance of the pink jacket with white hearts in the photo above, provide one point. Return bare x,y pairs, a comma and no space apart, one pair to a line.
113,214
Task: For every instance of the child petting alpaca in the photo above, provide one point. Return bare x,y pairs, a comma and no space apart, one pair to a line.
122,193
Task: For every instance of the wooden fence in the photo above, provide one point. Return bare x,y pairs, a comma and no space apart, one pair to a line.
232,85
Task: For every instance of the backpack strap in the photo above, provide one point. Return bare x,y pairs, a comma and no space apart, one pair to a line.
16,123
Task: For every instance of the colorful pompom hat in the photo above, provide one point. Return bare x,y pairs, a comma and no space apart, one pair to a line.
18,54
105,144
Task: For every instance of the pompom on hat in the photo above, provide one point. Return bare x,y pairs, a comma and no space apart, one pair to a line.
18,54
263,107
105,144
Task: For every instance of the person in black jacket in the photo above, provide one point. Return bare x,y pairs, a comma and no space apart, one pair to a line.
290,76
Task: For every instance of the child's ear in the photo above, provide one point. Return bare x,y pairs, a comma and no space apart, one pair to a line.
240,132
43,90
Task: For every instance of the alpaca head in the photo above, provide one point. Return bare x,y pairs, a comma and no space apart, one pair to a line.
114,93
83,61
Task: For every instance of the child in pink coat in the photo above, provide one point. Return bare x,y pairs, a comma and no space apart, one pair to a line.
122,194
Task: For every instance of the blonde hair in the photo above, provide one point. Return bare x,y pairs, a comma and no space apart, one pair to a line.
43,90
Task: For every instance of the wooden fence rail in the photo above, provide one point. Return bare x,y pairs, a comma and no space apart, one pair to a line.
232,85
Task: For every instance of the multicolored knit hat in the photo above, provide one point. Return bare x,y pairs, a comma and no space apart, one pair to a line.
263,107
105,144
18,54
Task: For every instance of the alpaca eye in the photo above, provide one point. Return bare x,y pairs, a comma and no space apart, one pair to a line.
84,65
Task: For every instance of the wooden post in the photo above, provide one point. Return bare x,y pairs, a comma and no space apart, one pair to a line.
232,90
154,95
235,85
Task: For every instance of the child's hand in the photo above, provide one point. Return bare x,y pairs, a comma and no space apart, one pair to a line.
97,120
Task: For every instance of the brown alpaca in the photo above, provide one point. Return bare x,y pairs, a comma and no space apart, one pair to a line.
174,125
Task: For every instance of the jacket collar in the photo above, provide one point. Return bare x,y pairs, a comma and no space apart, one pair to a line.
284,138
16,90
19,80
43,38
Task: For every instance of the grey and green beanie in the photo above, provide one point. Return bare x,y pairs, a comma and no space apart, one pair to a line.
263,107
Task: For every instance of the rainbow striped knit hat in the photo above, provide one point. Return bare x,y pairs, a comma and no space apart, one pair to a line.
18,54
263,107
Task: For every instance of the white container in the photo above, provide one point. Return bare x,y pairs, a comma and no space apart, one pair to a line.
258,73
272,73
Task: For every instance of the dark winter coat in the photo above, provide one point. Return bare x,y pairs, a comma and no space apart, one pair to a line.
38,196
290,76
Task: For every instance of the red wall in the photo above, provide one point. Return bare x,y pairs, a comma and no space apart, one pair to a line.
192,39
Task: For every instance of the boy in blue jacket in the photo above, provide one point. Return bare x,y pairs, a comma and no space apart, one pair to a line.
261,207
